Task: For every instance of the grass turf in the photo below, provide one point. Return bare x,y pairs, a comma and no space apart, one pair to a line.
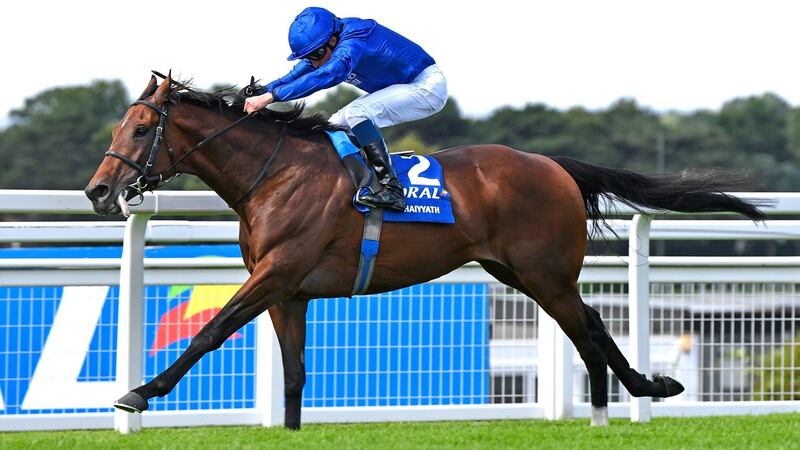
770,431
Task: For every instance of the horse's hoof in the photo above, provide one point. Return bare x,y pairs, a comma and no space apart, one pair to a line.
132,403
669,386
599,416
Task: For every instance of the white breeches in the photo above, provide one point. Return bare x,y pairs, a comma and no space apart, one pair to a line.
398,103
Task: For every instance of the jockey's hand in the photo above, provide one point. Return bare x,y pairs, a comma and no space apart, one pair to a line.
257,103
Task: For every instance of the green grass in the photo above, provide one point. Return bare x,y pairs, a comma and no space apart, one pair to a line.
757,432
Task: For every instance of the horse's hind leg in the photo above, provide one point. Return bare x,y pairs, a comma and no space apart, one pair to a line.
563,303
636,383
561,300
289,319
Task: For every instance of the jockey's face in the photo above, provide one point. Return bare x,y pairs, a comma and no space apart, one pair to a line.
328,51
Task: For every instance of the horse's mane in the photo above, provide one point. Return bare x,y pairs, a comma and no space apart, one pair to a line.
228,101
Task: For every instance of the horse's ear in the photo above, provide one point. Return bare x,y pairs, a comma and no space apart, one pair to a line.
162,93
150,89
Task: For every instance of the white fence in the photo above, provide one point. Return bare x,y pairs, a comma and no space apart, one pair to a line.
723,326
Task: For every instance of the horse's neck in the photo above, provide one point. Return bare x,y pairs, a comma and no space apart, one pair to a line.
231,163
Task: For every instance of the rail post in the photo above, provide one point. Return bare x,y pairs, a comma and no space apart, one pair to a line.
639,307
554,369
269,373
129,318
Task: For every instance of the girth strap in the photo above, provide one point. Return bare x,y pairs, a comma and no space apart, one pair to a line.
370,242
362,177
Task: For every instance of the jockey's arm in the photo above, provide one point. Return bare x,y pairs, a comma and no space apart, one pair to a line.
301,68
308,81
330,74
259,102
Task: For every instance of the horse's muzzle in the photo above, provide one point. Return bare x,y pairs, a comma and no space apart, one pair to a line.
103,198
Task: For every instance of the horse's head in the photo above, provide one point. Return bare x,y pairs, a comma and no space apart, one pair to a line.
140,157
133,163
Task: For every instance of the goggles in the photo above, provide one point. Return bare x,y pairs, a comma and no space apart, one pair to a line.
319,53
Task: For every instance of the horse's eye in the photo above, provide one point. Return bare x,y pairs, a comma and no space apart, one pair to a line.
140,131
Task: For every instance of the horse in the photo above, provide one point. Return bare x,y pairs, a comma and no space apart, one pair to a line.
522,216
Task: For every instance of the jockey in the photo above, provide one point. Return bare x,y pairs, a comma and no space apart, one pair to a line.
403,83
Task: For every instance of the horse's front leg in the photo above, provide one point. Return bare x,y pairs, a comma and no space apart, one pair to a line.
263,289
289,319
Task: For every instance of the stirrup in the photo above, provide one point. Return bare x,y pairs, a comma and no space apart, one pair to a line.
397,204
365,190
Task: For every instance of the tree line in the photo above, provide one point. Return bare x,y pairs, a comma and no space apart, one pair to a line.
57,138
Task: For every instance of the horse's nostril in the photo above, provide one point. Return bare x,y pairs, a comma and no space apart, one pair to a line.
99,192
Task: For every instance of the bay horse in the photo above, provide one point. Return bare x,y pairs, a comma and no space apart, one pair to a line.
522,216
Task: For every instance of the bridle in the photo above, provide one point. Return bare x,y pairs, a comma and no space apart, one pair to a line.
147,181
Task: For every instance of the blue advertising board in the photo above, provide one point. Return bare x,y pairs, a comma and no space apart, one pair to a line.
426,344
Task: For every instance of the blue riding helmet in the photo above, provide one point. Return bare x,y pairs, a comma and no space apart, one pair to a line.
310,30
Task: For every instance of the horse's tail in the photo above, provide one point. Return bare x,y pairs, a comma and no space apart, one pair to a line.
683,191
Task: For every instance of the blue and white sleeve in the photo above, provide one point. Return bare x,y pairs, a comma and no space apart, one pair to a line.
331,74
301,68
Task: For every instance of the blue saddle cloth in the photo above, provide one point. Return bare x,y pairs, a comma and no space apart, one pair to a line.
427,199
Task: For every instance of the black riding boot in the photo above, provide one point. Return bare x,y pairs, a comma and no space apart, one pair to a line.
391,196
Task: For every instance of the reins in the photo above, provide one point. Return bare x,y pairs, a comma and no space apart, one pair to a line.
263,173
210,138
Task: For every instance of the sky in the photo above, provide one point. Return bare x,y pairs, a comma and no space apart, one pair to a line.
667,55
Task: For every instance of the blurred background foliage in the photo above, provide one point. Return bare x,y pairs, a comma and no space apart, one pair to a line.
57,138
